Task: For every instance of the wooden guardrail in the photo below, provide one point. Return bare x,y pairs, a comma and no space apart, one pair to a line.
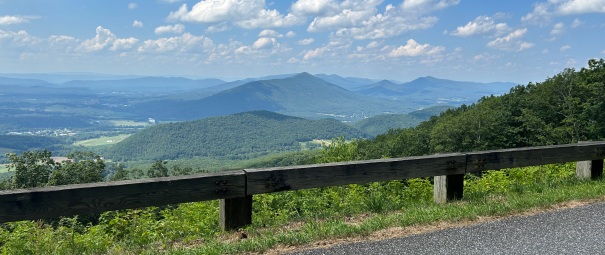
236,188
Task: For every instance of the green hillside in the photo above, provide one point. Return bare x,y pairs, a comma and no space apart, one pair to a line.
380,124
565,108
238,136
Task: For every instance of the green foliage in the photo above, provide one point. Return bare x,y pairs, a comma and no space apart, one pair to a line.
158,169
37,169
380,124
239,136
82,167
32,168
338,150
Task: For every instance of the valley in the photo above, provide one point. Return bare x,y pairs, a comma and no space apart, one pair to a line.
141,119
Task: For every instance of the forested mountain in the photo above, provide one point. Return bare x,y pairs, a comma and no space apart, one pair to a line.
380,124
565,108
301,95
238,136
348,83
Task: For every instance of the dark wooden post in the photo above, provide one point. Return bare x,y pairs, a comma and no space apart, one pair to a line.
591,169
235,213
448,187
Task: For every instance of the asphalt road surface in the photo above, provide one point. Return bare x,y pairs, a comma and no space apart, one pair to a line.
579,230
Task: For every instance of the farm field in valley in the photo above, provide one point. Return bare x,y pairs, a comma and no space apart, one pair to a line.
102,141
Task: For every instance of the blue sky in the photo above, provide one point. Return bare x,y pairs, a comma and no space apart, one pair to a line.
472,40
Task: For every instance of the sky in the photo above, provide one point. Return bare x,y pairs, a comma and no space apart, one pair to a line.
470,40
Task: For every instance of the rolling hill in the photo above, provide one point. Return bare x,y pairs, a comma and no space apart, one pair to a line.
237,136
380,124
302,95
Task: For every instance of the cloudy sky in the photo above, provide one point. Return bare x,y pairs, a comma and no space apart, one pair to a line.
474,40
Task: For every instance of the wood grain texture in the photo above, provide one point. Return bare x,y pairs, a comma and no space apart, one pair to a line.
235,213
48,202
357,172
533,156
448,187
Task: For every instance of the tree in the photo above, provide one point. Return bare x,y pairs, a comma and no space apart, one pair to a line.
32,168
82,167
158,169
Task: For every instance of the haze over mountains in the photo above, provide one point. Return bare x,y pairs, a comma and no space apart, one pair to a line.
175,98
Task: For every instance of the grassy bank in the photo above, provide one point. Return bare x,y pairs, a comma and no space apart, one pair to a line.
300,217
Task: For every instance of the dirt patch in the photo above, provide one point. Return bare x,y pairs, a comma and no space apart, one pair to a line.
397,232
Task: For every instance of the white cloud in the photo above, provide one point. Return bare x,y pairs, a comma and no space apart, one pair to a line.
264,43
481,25
290,34
124,44
362,20
137,23
565,47
306,41
106,39
170,1
310,54
174,29
247,14
103,38
18,39
576,23
269,33
293,61
182,43
314,7
511,42
12,20
545,10
132,6
413,48
427,5
558,29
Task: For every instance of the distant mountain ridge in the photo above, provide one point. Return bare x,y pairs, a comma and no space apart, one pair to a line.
242,135
302,95
380,124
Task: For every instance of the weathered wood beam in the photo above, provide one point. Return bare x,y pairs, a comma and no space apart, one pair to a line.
356,172
49,202
448,187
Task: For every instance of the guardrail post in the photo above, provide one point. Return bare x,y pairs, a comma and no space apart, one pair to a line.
235,213
591,169
448,187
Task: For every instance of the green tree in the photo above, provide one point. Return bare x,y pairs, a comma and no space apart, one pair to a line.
119,174
82,167
32,168
158,169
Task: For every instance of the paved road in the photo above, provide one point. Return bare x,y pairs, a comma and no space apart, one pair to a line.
579,230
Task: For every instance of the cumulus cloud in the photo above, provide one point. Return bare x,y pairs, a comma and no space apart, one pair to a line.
511,42
306,41
314,7
427,5
182,43
413,48
170,1
12,20
362,19
310,54
104,38
565,47
243,13
174,29
18,39
481,25
545,10
269,33
290,34
137,23
576,23
264,43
